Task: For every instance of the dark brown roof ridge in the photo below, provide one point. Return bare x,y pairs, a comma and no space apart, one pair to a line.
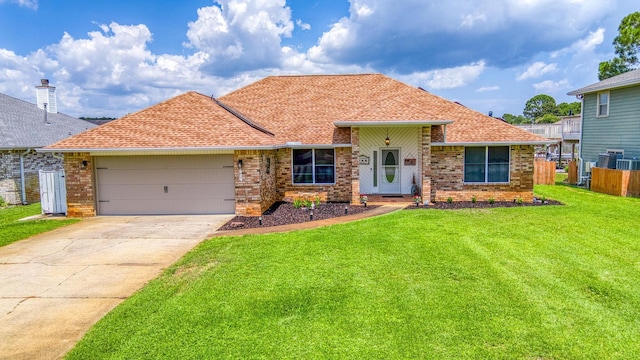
246,120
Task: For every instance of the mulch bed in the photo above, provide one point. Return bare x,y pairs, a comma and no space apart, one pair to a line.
481,205
282,213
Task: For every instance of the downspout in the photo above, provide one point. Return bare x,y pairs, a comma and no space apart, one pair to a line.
581,166
22,180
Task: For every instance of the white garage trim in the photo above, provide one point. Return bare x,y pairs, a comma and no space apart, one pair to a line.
158,185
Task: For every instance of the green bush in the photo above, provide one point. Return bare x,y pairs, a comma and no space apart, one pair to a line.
2,202
449,200
473,199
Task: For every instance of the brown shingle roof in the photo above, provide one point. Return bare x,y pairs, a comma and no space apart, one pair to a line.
190,120
305,108
294,109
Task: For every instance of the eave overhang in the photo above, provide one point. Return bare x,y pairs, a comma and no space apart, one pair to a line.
392,123
494,143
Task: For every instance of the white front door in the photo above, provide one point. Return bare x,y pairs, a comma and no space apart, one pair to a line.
390,172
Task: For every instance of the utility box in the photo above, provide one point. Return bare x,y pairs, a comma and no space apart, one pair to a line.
53,192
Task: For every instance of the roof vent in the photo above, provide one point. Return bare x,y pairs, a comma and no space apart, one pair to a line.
46,97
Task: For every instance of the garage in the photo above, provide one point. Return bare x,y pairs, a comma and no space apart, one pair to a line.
163,184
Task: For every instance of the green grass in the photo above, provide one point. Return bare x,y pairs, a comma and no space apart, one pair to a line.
554,282
561,177
13,230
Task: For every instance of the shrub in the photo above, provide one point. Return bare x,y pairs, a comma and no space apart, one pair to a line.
2,202
449,200
317,200
473,199
491,200
519,201
297,203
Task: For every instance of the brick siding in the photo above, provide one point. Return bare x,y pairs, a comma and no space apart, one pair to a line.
257,190
80,185
338,192
447,165
10,182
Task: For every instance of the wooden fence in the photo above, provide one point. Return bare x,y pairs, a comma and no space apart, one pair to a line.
615,182
572,174
544,172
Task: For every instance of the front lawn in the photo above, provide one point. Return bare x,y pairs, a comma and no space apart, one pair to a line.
12,230
549,282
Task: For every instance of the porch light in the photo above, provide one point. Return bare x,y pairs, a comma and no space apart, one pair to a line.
387,141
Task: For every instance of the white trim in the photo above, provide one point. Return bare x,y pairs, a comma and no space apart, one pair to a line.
391,123
189,150
313,146
507,143
598,115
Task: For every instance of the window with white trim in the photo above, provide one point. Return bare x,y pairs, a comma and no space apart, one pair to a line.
603,104
314,166
486,164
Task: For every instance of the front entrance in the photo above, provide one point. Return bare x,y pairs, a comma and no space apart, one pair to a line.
390,172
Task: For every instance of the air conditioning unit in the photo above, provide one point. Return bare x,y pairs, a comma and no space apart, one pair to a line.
608,160
628,164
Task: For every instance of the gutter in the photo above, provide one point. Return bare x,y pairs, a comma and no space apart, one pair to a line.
391,123
492,143
22,180
188,150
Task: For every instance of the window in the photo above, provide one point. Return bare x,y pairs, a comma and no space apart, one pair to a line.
486,164
313,166
603,104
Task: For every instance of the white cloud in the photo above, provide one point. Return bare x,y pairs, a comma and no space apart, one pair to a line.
32,4
588,43
488,88
412,36
445,78
241,36
536,70
549,86
303,25
470,20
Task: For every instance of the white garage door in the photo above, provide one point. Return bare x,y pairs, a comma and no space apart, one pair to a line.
155,185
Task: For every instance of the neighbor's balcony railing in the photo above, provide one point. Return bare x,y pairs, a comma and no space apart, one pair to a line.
550,131
571,129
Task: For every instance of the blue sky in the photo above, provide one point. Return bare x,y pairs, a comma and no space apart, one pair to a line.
110,58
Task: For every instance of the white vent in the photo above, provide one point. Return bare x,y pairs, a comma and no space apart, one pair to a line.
46,97
628,164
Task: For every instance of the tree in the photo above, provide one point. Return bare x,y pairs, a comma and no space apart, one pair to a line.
611,68
513,119
566,109
547,119
538,106
626,45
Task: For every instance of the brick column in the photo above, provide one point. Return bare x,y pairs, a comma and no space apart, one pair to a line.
427,196
78,169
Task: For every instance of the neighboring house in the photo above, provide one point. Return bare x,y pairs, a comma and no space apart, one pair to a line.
611,120
565,133
25,128
337,136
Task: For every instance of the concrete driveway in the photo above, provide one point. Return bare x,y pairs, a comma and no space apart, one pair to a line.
55,286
